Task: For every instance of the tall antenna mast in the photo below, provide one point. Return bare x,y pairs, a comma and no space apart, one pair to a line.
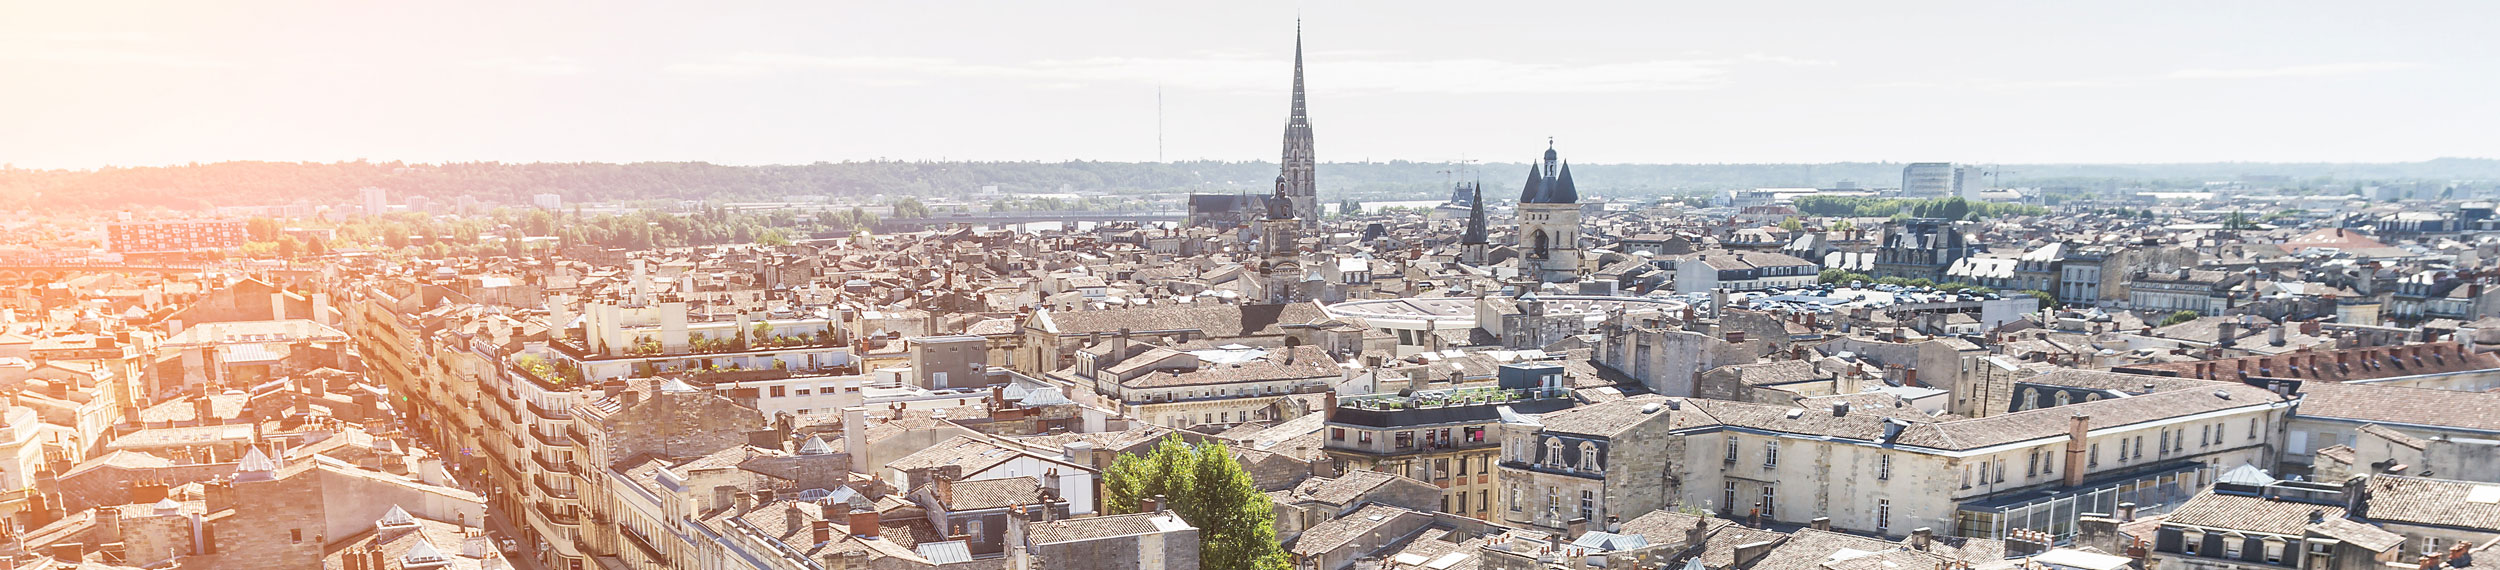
1158,122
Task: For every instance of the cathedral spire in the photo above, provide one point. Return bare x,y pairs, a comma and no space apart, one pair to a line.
1300,113
1300,181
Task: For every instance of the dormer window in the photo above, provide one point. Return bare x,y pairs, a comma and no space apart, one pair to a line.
1553,452
1588,457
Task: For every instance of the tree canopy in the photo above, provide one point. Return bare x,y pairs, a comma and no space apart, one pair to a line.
1205,486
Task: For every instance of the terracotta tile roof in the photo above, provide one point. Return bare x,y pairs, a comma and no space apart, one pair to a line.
2027,425
2397,405
2442,502
2250,514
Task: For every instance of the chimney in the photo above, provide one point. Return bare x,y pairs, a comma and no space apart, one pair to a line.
864,524
823,530
792,518
1735,337
2274,335
204,410
1919,537
1840,409
2126,512
1822,523
2078,429
108,525
746,502
943,486
1576,527
1152,504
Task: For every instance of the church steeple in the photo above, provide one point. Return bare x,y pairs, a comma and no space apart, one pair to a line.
1475,219
1301,113
1300,180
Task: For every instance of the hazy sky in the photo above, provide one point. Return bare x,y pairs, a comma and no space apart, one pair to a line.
85,83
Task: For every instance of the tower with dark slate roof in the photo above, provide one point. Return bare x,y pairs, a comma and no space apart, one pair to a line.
1549,221
1472,242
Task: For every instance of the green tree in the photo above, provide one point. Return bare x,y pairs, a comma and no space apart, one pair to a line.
1792,224
2180,317
772,237
1209,489
261,229
910,208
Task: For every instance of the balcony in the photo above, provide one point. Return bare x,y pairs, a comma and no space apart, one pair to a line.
546,484
557,516
579,438
549,413
551,440
552,465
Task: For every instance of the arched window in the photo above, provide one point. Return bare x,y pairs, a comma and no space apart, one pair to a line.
1588,457
1538,244
1553,452
2029,399
2064,398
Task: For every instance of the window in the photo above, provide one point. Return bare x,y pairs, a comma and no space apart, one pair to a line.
1227,416
1731,448
2000,470
2122,450
2095,459
1883,515
973,527
2033,469
2165,442
1883,467
2274,551
1771,453
2252,427
1767,502
1588,456
1484,500
2139,447
2190,541
802,392
1462,503
1440,469
1365,436
1518,497
1553,452
1588,504
2430,545
2231,546
1553,501
1336,434
1210,418
1462,467
295,535
1731,496
2204,436
779,391
1445,504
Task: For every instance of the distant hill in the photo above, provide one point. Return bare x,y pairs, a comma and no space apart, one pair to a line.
244,183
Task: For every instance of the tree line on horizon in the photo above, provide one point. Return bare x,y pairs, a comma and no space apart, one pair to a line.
203,185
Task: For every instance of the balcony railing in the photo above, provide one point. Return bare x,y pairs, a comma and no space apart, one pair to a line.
549,413
559,516
552,465
547,484
551,440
